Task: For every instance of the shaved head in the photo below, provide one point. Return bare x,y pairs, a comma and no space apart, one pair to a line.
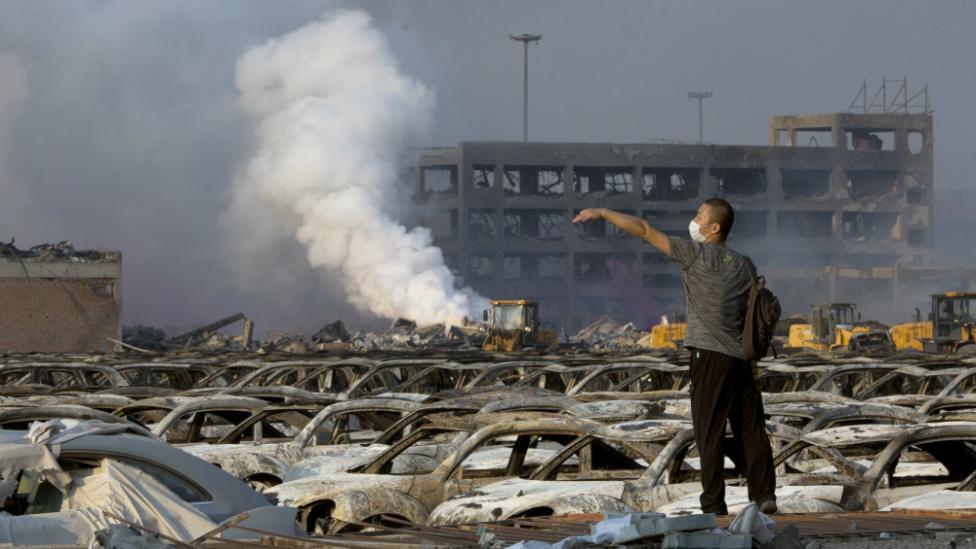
721,212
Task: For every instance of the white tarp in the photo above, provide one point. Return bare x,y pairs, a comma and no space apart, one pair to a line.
15,458
88,493
59,431
138,498
65,528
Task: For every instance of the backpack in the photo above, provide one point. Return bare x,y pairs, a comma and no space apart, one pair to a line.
762,314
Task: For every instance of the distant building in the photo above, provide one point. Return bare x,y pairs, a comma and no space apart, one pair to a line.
54,299
827,210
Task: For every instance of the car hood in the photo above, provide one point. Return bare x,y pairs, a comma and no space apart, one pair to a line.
206,451
335,459
505,498
246,460
343,458
299,492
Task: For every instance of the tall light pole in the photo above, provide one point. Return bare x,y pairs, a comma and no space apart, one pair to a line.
525,39
700,96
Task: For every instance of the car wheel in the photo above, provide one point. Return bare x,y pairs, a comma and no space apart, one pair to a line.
261,483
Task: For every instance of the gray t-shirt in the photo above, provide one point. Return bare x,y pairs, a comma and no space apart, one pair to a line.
717,284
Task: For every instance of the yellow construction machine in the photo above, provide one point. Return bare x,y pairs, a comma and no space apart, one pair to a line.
669,334
950,328
513,324
831,327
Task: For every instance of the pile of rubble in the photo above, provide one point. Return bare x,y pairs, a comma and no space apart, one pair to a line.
405,335
606,335
206,338
402,335
749,528
62,251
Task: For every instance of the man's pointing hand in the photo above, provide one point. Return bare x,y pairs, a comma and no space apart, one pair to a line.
589,214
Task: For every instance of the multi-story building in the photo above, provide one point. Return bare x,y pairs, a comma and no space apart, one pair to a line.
831,210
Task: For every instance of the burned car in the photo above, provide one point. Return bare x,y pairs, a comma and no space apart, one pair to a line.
264,461
863,467
90,466
487,447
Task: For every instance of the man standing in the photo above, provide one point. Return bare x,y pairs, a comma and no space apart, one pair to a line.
723,387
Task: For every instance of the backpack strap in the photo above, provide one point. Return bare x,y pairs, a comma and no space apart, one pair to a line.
752,269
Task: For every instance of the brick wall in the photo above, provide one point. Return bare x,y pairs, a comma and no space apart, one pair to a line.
58,314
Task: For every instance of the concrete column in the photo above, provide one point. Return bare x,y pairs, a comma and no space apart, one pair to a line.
117,296
637,194
464,183
499,215
838,184
498,185
832,284
901,141
896,289
837,225
839,135
418,184
706,185
774,183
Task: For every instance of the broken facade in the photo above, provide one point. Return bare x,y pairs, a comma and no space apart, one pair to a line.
63,302
829,191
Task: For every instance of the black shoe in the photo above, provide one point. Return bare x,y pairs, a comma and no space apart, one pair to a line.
767,506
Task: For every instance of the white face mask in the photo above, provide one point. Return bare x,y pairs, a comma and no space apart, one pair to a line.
694,229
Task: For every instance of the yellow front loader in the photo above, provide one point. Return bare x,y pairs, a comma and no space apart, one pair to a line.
831,328
513,324
951,327
666,335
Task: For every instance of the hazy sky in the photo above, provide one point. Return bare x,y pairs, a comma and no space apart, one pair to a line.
120,126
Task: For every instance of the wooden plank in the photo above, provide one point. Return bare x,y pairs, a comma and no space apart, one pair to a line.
954,514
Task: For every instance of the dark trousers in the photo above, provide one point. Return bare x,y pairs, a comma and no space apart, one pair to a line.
723,388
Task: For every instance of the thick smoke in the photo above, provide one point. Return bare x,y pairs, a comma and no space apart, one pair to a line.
13,75
334,119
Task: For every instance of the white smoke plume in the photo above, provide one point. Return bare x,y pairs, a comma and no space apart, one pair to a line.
334,120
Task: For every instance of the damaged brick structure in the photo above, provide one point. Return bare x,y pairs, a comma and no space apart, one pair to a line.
830,191
60,302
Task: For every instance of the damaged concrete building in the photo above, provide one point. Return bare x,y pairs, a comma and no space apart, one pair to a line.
57,300
829,193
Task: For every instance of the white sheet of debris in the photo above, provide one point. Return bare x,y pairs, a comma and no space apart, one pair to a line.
36,458
110,487
138,498
65,528
59,431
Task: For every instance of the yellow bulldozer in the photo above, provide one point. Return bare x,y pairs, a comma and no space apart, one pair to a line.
669,334
832,325
513,324
950,328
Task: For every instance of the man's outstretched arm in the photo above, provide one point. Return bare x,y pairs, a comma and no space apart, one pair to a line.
629,224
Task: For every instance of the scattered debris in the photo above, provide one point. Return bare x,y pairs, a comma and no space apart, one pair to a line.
605,335
145,337
62,251
331,333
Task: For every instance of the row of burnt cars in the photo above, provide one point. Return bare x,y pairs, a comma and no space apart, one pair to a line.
354,442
